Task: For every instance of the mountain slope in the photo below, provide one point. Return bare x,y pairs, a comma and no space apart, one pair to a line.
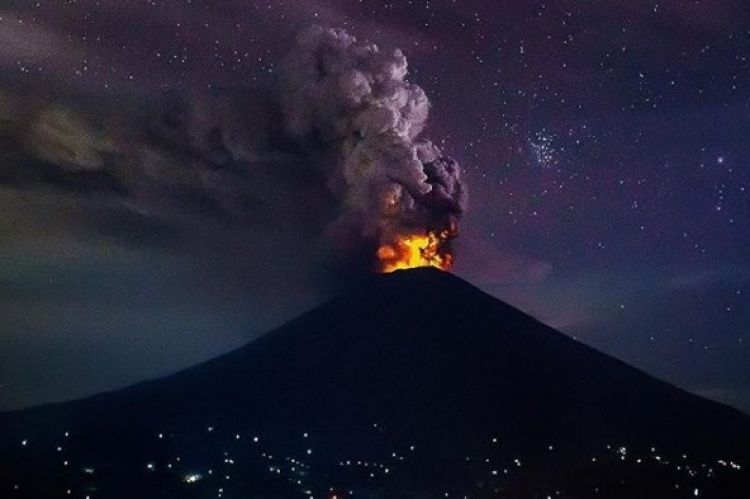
419,358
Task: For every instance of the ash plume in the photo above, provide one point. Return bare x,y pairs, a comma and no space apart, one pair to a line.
332,151
354,100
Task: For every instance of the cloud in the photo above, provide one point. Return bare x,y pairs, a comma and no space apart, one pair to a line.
23,40
64,137
493,266
698,280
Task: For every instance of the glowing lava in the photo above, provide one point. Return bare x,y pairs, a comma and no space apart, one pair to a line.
416,250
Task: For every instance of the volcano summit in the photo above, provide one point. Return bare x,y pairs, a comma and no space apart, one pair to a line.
412,384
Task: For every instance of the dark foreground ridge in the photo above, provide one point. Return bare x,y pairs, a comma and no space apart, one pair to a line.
413,384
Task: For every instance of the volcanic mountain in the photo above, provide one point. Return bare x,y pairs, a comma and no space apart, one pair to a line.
412,384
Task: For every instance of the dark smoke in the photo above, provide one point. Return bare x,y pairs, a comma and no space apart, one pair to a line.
332,151
353,99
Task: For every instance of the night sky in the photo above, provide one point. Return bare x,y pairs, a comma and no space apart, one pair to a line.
603,143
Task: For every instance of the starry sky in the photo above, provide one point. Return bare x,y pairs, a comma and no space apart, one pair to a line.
603,144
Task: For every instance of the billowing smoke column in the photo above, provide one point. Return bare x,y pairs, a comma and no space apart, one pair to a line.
396,190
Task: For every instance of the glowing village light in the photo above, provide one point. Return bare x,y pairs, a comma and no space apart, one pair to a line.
192,478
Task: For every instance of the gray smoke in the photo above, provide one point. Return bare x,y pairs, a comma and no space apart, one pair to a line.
353,99
332,151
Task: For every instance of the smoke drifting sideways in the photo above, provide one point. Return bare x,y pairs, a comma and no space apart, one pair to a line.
331,153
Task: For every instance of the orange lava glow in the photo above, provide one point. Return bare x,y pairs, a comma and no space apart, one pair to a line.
416,250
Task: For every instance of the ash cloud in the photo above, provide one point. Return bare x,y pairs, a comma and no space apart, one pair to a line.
353,99
332,151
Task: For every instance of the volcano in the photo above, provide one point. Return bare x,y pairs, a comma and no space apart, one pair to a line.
411,384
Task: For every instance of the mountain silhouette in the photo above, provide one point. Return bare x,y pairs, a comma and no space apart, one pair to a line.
411,384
